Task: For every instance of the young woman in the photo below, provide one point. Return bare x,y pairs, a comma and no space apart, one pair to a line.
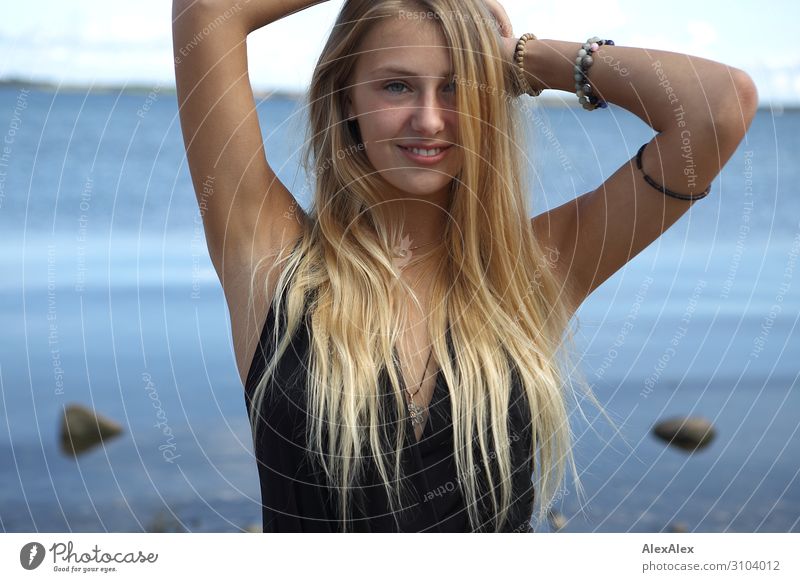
402,343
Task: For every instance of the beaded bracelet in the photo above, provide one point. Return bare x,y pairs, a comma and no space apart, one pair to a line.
519,57
584,60
661,188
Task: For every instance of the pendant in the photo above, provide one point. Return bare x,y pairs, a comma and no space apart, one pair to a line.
417,413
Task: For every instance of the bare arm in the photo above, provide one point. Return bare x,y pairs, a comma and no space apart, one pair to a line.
251,14
243,204
701,110
248,214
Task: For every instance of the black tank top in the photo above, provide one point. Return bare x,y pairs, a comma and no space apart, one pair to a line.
295,496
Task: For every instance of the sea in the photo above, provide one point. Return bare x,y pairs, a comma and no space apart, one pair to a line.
108,300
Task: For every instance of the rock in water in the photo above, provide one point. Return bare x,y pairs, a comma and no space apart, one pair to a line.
689,434
82,429
165,522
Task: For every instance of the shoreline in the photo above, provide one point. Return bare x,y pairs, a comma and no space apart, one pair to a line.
259,93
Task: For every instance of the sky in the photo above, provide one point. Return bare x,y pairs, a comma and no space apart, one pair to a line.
97,42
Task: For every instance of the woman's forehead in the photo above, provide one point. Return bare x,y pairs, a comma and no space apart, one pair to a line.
396,46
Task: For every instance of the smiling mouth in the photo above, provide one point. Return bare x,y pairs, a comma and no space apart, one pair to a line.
431,154
425,152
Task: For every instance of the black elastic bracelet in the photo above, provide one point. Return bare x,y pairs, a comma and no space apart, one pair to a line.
664,189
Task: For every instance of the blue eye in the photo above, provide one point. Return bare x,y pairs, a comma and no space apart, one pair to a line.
394,84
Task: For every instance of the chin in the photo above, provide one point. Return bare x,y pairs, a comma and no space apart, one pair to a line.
424,192
415,186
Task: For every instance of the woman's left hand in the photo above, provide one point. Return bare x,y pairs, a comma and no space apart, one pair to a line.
507,39
501,17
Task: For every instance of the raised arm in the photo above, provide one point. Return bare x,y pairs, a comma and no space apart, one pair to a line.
701,110
246,210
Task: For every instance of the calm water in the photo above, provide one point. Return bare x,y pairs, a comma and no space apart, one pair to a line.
109,300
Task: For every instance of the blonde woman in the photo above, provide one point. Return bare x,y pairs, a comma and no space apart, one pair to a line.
402,344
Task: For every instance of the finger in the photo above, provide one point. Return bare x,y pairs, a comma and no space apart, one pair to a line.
502,17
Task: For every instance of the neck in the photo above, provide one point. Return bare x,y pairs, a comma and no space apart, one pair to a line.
422,219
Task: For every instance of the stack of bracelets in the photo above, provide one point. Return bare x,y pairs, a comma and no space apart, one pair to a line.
583,88
587,97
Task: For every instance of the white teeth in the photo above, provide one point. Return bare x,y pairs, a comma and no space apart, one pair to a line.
426,153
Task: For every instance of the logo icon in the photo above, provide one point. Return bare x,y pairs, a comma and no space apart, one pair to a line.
31,555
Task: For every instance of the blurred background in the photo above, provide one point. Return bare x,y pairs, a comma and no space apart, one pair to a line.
108,299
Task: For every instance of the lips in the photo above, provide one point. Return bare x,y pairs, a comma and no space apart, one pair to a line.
425,155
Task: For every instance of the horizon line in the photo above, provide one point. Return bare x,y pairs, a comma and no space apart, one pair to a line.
260,92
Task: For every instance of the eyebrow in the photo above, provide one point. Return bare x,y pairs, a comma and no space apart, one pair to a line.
400,72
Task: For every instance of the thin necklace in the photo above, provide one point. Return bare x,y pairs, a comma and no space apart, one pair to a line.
422,245
417,412
402,252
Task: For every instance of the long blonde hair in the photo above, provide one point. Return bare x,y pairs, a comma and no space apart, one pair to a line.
506,310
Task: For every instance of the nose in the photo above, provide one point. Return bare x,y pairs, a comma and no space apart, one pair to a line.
428,115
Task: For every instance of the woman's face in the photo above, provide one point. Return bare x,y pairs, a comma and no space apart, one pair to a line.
403,97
